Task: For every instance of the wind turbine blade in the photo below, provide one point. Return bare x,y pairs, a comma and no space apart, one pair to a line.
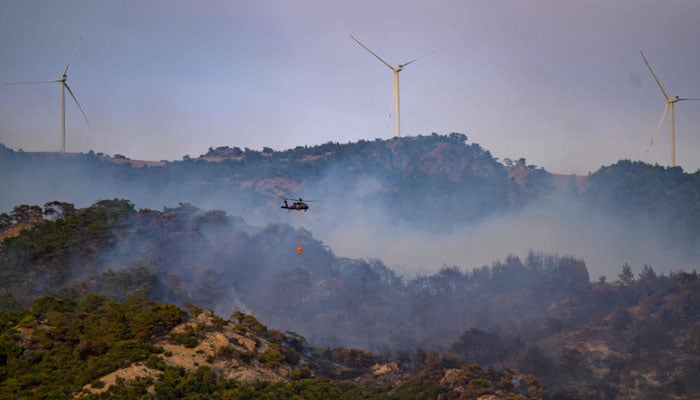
691,99
372,53
654,75
70,59
658,127
32,82
421,57
78,104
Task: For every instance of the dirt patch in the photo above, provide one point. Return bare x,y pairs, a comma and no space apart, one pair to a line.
131,372
14,231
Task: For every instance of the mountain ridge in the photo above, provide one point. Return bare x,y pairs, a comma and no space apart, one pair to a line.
436,185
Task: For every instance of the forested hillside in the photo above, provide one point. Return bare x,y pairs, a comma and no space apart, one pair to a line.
647,195
587,282
635,336
450,181
449,197
95,348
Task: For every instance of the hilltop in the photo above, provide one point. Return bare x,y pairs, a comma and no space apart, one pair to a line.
440,193
394,174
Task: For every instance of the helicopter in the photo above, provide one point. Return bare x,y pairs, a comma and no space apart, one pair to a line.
297,205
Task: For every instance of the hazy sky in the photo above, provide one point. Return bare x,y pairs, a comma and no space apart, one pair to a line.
560,83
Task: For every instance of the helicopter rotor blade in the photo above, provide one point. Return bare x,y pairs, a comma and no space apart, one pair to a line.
301,199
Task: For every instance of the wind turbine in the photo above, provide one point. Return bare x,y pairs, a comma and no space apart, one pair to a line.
670,101
396,70
64,86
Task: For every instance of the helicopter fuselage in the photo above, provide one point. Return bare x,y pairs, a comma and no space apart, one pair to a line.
297,205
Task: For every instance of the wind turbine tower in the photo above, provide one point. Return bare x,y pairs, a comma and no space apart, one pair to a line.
670,101
64,86
396,70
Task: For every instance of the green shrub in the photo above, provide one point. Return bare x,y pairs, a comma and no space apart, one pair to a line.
97,384
290,356
28,322
300,373
189,338
272,358
155,362
226,352
478,386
